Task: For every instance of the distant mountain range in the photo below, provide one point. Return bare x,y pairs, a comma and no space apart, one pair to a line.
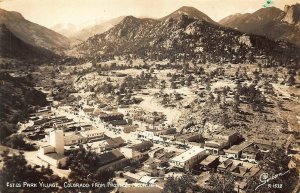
87,32
270,22
189,35
32,33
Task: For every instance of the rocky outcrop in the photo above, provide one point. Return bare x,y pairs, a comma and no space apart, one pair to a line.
292,13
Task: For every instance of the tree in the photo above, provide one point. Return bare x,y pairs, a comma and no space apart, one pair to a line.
16,169
222,183
291,80
274,163
183,184
236,102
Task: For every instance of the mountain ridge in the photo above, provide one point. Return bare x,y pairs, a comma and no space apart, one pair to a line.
32,33
270,22
194,39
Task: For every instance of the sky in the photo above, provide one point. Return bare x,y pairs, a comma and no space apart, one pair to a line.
88,12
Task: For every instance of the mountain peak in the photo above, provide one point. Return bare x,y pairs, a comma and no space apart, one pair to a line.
190,12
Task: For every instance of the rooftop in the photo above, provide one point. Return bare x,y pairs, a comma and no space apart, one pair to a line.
227,132
251,149
238,148
226,163
73,136
185,156
209,159
186,136
215,142
93,131
115,142
110,156
142,146
55,156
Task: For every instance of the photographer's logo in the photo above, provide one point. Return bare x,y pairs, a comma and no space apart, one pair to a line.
264,179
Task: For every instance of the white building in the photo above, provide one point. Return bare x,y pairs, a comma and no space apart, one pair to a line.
188,159
93,135
131,154
54,152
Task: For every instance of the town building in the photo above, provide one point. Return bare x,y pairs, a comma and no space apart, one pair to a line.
107,117
136,152
188,159
113,143
220,141
112,160
209,163
74,139
236,150
54,152
93,135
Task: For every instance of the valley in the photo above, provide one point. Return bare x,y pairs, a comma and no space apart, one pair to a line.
176,104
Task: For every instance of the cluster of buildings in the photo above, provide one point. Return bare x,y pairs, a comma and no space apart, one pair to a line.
162,150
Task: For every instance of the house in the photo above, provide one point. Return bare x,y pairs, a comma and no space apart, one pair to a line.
93,135
225,165
54,152
112,160
74,139
131,154
188,159
136,152
214,146
264,145
113,143
236,150
128,128
230,136
220,141
143,146
250,153
111,116
188,137
209,163
238,168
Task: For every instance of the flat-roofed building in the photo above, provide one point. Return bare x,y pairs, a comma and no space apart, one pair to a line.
236,150
112,160
210,162
220,141
93,135
74,139
54,152
188,159
215,145
188,137
249,153
230,136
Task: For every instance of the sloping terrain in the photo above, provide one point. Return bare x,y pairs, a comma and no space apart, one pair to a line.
16,96
184,38
31,33
190,12
12,47
270,22
87,32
